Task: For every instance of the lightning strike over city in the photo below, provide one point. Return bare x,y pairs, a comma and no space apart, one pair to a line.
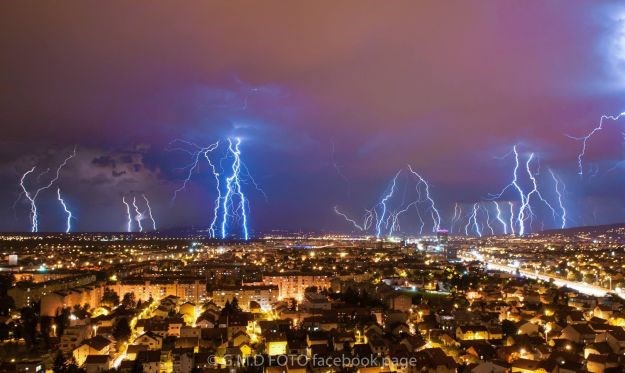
138,214
128,214
149,208
66,209
424,186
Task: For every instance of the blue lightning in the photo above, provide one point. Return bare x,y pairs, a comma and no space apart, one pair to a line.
585,139
557,183
395,225
454,219
473,218
535,190
511,204
196,155
436,216
233,188
490,227
515,184
378,225
129,225
139,215
350,220
33,206
32,198
147,203
67,211
499,218
368,219
422,223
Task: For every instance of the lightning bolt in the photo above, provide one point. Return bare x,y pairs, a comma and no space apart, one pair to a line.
499,218
515,184
422,223
473,218
147,203
557,183
490,227
67,211
436,216
129,226
585,139
535,190
368,219
511,204
378,226
32,198
196,154
33,206
139,216
350,220
395,227
454,218
233,188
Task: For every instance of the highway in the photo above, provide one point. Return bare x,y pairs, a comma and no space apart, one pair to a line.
581,287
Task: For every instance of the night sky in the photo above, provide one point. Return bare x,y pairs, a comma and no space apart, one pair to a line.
330,100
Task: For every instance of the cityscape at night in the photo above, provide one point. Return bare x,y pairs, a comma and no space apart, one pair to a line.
312,187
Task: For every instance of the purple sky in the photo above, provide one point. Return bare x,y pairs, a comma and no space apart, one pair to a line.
330,98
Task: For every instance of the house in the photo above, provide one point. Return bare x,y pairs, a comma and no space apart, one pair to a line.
187,310
183,360
527,366
471,332
600,363
190,332
276,344
151,340
73,336
434,360
480,349
488,367
150,360
174,324
97,363
97,345
597,348
240,338
206,320
615,338
526,327
161,311
399,302
603,312
133,350
578,333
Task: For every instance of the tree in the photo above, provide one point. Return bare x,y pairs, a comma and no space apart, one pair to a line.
231,307
129,300
62,321
29,319
6,302
59,363
110,297
81,312
508,328
121,330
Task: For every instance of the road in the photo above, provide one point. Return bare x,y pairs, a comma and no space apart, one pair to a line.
581,287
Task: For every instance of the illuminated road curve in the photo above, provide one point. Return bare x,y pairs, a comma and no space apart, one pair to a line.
581,287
